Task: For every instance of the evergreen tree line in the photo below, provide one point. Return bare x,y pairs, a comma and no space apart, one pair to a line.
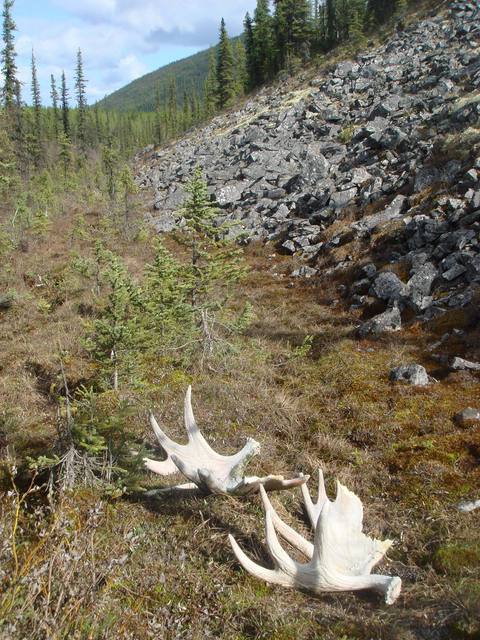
227,80
286,34
41,135
279,36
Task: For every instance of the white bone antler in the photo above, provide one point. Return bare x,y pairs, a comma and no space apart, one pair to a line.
340,559
206,469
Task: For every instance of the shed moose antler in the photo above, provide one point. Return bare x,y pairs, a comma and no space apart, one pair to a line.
341,556
207,470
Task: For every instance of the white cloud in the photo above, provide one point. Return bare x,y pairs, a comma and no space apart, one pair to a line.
117,35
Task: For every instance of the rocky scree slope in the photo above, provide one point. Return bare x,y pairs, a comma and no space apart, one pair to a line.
383,151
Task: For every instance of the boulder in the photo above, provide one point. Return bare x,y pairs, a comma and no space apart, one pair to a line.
413,374
229,194
304,272
6,302
388,321
418,288
341,199
459,364
370,223
467,418
289,246
467,507
388,286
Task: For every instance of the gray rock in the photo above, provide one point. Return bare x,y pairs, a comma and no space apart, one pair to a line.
418,288
304,272
386,107
392,212
455,272
369,270
459,364
425,177
341,199
275,194
413,374
388,286
6,302
467,507
289,246
388,321
468,417
229,194
165,223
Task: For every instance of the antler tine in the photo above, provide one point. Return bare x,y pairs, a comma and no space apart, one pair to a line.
290,535
163,468
269,575
190,422
163,439
281,558
314,509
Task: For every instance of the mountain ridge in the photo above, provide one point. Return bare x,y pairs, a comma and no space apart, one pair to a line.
140,94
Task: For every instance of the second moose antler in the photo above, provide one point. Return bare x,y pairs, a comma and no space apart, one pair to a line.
340,558
207,470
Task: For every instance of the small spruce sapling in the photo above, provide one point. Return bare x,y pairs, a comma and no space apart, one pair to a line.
214,263
116,331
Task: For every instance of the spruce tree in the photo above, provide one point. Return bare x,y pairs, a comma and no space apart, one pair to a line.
380,11
356,24
110,160
292,21
241,74
128,189
115,332
36,135
214,263
263,42
158,117
331,23
98,125
401,7
80,89
194,105
167,313
65,152
225,69
250,52
186,111
8,55
65,107
208,263
211,86
54,97
172,107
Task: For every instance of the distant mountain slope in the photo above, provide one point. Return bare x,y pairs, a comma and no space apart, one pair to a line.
139,95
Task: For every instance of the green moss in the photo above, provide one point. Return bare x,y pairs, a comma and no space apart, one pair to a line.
458,557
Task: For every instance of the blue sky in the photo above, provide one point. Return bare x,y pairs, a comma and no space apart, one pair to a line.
120,39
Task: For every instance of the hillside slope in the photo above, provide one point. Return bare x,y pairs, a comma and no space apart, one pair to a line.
140,95
378,159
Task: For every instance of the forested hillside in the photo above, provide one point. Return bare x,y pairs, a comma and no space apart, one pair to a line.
140,95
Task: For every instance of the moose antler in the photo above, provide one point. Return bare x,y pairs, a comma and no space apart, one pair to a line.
207,470
340,558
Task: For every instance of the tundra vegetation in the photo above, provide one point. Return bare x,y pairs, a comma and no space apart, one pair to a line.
101,321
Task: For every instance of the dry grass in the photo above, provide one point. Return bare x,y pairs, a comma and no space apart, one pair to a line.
136,569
